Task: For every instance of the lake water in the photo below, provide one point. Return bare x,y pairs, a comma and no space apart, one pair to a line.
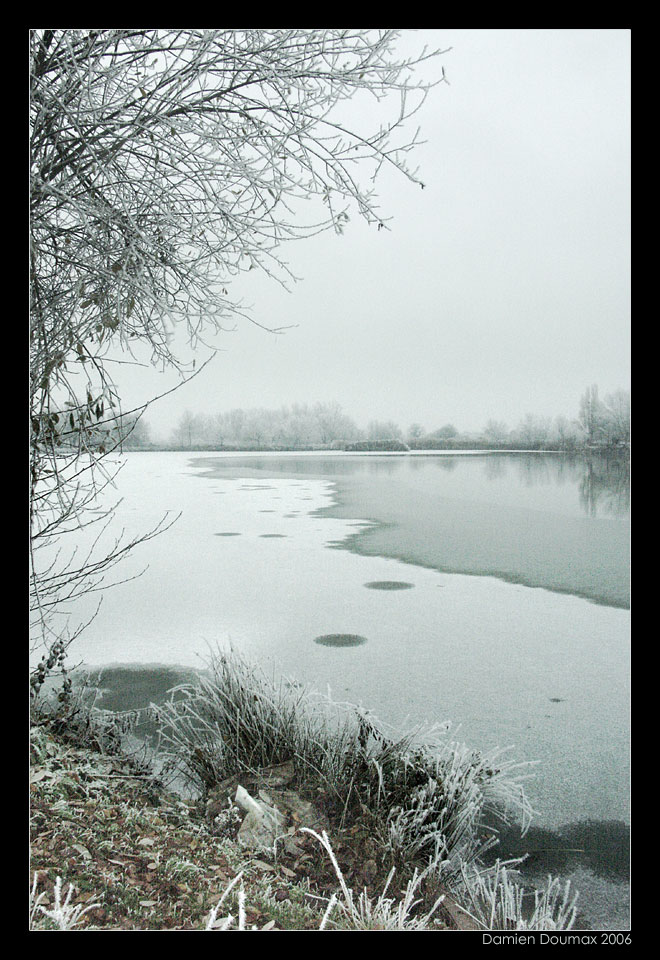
491,590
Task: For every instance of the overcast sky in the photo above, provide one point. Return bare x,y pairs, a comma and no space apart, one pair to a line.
502,288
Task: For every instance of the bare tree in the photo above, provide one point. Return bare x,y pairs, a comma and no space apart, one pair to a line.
383,430
617,416
565,433
164,163
591,415
415,431
496,431
532,431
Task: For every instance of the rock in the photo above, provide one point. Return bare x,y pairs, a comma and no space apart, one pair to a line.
271,812
262,824
276,776
298,812
276,815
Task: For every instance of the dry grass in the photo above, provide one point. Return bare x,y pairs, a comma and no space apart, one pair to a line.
140,858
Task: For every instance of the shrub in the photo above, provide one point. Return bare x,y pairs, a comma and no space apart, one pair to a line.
427,798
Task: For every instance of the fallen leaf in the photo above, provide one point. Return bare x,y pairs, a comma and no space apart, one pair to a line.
148,903
269,925
83,851
260,865
146,842
152,866
287,872
40,775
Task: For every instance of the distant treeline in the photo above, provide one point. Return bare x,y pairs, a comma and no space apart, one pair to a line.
599,425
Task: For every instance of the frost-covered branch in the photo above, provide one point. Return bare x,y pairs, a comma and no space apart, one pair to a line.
164,164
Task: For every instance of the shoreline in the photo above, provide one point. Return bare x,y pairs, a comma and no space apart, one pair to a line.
379,537
65,777
346,578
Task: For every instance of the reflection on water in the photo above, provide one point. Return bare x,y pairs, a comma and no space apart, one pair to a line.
545,520
602,846
601,484
605,487
495,467
448,464
593,854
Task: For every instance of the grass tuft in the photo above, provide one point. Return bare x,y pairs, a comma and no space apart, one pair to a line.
427,800
496,900
416,806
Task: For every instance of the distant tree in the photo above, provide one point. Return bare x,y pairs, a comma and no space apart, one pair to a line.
163,164
592,415
566,434
135,432
258,427
236,424
187,431
448,432
616,416
301,427
333,423
415,431
383,430
496,431
533,430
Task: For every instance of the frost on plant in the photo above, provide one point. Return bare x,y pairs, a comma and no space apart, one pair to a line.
225,923
495,900
164,165
439,819
63,914
364,913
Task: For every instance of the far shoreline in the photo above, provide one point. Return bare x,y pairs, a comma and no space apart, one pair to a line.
347,506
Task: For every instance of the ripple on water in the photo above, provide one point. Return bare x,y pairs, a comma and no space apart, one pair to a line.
340,640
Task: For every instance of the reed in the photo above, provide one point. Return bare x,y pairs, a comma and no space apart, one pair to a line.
428,798
496,900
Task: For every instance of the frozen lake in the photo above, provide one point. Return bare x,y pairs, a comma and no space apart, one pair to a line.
511,618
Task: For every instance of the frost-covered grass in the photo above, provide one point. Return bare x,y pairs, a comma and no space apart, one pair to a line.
63,915
417,807
427,799
236,720
495,902
495,899
363,912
